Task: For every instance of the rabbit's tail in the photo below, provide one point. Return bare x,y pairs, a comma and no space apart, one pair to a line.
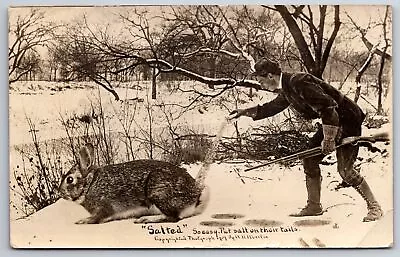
210,157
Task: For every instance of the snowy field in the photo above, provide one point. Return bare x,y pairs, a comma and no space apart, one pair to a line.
246,209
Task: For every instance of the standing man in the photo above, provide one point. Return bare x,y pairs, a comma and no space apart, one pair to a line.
313,98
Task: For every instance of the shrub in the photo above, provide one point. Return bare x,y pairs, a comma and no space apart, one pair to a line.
35,183
188,149
375,121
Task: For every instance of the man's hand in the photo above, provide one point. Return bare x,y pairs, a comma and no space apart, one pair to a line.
328,146
237,113
330,133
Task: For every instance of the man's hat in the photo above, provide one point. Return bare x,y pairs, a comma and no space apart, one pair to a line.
265,66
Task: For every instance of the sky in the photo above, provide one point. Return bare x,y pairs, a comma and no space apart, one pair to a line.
101,16
362,14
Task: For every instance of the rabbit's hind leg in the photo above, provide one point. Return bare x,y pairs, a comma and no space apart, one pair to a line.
188,211
175,208
198,207
135,212
154,215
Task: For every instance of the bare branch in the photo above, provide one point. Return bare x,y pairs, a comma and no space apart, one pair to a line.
320,35
331,39
167,67
236,43
367,43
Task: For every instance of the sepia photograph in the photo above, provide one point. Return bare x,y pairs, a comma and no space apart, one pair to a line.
200,126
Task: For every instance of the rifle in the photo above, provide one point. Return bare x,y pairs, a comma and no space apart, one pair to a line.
354,140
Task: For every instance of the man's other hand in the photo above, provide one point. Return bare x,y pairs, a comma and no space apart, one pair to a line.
237,113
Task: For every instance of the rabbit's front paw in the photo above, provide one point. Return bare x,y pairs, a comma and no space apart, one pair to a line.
143,220
88,220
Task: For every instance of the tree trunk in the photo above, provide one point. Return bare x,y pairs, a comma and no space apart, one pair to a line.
298,37
360,73
154,84
315,66
382,64
380,86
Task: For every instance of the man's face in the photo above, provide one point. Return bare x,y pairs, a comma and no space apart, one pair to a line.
269,82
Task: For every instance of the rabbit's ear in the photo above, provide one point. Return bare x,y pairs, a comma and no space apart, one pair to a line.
90,148
86,155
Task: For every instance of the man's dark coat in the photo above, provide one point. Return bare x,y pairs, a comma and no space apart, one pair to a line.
314,98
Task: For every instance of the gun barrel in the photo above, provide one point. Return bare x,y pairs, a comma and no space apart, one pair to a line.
301,155
382,137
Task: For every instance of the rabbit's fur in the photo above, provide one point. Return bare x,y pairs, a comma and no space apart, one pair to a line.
148,190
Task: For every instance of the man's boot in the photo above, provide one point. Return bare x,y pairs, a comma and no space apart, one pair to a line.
313,207
374,209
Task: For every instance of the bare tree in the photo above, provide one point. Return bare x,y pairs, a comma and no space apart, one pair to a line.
26,35
186,42
29,66
374,50
82,55
310,38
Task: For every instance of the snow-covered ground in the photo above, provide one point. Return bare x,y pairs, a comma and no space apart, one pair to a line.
255,204
246,209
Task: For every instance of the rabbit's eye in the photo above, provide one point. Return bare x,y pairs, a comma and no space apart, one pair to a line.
70,180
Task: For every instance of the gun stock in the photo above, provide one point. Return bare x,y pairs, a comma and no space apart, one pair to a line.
380,137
